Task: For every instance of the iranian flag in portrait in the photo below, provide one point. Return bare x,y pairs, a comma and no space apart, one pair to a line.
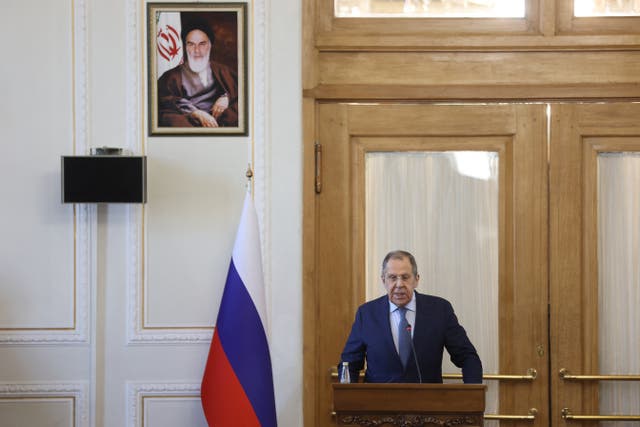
168,41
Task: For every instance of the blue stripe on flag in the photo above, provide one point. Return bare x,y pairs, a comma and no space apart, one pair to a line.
245,342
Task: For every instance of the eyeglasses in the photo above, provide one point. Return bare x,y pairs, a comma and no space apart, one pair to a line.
404,278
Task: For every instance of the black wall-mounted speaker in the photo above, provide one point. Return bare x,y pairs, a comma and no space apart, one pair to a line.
104,179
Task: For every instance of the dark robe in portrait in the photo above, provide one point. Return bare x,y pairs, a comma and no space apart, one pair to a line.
181,91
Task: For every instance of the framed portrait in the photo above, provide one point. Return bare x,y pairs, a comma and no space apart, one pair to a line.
197,69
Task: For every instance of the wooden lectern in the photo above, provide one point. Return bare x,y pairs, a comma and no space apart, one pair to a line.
408,405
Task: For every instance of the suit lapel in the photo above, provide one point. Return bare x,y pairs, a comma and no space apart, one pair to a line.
424,321
383,315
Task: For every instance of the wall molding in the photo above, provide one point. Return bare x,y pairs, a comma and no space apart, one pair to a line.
84,225
76,391
136,122
137,391
84,216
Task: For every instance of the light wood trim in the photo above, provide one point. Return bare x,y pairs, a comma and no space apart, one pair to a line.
335,305
309,52
579,133
410,119
479,68
482,93
309,298
409,398
486,43
566,256
399,144
358,182
524,255
547,18
589,266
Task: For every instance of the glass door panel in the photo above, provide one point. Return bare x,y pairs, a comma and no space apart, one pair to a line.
443,208
619,281
594,263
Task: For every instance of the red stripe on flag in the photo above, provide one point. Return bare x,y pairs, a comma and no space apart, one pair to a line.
224,401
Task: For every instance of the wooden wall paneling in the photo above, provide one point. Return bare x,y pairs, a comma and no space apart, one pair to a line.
334,302
518,133
477,68
478,92
406,119
578,133
565,264
309,296
309,51
525,229
549,57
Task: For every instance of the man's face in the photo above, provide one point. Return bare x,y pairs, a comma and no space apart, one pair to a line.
399,281
198,50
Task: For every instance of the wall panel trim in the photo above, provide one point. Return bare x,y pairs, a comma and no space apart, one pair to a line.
84,220
137,391
137,278
78,392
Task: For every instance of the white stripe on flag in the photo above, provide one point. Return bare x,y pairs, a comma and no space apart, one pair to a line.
168,42
248,259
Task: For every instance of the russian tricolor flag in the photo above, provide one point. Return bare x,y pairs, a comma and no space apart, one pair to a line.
237,386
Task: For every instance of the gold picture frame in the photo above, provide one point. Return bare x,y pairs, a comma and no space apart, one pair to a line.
197,69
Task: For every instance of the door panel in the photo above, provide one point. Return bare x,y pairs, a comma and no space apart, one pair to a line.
582,137
517,133
442,206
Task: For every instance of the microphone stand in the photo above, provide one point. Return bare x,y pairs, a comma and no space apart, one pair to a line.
415,356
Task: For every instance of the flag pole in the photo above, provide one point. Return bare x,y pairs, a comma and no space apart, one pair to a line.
249,175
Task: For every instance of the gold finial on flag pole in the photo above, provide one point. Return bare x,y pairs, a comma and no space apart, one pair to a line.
249,175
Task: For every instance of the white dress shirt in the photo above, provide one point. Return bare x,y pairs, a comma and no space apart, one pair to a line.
394,317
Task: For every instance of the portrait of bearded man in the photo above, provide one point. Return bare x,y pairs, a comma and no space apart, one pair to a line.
200,92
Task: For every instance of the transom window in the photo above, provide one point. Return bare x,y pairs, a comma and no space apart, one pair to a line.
430,8
583,8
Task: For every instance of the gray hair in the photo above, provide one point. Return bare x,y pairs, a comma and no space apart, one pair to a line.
399,254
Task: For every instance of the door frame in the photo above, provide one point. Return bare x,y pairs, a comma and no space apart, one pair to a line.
348,122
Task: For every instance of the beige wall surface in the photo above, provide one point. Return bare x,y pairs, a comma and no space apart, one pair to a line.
106,311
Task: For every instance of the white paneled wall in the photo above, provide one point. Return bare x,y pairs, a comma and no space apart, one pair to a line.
106,311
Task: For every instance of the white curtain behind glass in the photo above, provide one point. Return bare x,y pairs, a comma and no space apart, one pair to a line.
619,281
443,208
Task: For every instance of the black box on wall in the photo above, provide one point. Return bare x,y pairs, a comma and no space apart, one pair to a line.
104,179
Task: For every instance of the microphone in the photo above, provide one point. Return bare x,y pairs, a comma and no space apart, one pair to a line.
415,357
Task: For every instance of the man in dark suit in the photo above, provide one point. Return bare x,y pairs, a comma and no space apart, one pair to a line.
384,327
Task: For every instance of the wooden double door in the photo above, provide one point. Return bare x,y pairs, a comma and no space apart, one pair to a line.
546,310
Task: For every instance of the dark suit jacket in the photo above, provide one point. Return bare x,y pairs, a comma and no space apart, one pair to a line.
436,328
171,91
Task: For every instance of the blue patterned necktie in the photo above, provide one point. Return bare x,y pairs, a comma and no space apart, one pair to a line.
404,335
